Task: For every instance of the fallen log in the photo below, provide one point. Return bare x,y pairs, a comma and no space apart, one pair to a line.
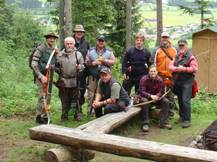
64,154
109,122
104,124
120,145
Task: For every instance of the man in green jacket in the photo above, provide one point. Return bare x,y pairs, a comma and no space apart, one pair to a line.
38,64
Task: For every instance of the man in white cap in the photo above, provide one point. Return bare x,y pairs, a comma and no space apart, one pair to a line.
162,56
82,46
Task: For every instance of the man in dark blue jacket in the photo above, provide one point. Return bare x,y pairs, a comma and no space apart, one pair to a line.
135,63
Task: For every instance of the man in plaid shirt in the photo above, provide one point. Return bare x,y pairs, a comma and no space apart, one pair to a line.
150,88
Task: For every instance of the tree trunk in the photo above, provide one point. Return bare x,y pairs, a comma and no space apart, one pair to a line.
120,145
68,17
128,23
159,21
61,23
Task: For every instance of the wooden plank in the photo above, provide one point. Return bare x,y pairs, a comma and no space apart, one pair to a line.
109,122
120,145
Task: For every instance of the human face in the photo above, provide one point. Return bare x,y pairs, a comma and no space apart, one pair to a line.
79,35
100,44
51,41
164,40
139,43
69,45
152,72
105,77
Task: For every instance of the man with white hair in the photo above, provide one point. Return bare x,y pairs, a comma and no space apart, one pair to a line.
69,63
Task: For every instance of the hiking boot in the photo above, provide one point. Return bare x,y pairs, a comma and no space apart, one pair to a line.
166,126
78,116
145,128
39,120
186,124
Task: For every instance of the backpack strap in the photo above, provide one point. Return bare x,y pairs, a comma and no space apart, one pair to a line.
166,54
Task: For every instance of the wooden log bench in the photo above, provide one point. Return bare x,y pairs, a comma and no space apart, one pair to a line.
118,145
104,124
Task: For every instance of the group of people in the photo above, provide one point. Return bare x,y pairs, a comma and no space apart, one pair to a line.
155,77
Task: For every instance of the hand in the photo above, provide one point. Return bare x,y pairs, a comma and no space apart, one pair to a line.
97,63
154,97
129,69
97,104
44,79
126,77
78,66
57,51
179,68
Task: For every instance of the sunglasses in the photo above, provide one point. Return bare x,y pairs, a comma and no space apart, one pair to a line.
181,45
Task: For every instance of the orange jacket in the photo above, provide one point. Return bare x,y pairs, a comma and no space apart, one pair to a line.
162,61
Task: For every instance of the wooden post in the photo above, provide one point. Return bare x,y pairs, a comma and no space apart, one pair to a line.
120,145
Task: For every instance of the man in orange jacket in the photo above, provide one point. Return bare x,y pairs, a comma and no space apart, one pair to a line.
162,56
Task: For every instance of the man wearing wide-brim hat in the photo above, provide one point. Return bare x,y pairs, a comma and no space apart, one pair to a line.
38,63
82,46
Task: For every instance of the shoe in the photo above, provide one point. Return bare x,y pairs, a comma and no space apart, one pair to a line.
78,116
186,124
145,128
167,126
40,120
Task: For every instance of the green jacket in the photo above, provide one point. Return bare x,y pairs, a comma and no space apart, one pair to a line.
40,59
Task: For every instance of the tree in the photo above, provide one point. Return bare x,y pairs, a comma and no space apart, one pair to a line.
201,6
159,21
61,23
68,17
128,23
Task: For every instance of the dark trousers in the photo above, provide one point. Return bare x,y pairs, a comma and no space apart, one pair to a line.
82,80
184,93
128,84
163,105
111,108
67,97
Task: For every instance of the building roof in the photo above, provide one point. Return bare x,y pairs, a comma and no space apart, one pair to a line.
213,29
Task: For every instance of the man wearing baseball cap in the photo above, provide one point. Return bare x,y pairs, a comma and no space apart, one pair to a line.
97,58
183,67
82,46
162,56
38,64
110,95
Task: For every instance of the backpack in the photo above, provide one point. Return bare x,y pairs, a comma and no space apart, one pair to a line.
210,137
31,54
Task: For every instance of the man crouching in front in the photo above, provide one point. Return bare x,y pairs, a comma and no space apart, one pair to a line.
150,88
110,95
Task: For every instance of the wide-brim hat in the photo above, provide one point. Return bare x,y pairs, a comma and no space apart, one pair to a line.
79,28
51,34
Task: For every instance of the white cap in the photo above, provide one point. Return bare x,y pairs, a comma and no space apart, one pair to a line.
165,34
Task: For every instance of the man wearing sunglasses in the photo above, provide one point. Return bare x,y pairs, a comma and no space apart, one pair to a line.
96,59
184,67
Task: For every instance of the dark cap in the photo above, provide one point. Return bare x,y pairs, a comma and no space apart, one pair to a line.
182,41
105,70
101,37
51,34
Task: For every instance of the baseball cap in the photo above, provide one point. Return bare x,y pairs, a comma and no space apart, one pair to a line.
105,70
101,37
165,34
182,41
